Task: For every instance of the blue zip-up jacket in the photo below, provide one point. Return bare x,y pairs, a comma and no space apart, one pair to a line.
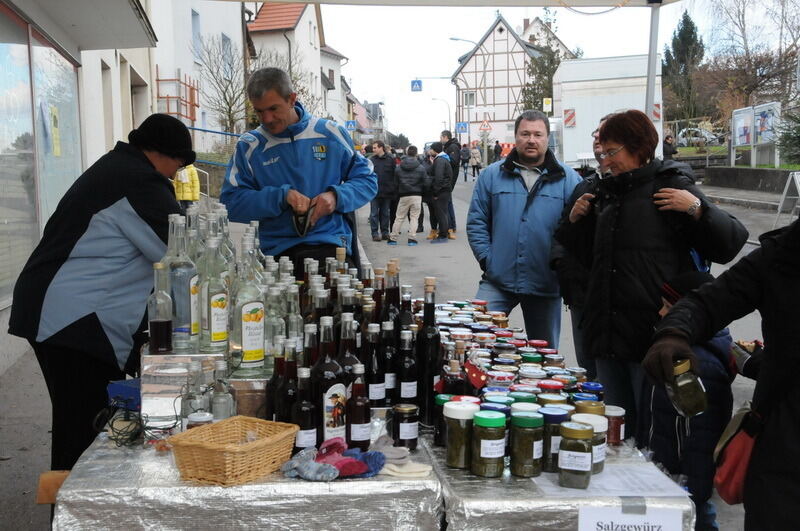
311,156
510,229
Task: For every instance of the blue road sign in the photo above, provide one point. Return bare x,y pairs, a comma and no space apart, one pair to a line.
350,125
462,127
416,85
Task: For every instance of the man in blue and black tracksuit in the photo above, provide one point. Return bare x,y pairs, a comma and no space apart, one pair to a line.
298,175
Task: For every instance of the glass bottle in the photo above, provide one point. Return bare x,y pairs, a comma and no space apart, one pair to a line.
193,396
195,247
294,321
367,274
278,375
391,307
228,247
328,386
358,412
377,293
406,317
159,311
348,356
286,392
213,301
310,345
304,412
389,360
341,260
428,340
274,325
171,242
407,374
686,391
184,291
247,340
257,242
374,370
222,403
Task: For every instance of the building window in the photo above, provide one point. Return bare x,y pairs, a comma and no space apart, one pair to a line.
197,40
331,77
469,98
227,51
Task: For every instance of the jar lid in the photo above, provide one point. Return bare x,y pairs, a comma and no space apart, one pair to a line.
597,422
489,419
551,398
553,370
531,357
505,368
524,406
503,348
460,410
502,332
570,409
577,397
478,302
518,342
524,388
553,415
615,411
405,408
503,361
526,419
681,366
200,416
576,430
494,389
577,371
466,398
567,380
551,385
532,372
589,406
501,376
538,343
500,408
520,396
591,387
443,399
499,399
548,351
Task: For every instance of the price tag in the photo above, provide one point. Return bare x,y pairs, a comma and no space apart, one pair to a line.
618,519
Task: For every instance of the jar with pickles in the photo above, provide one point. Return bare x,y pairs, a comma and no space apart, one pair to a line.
458,418
600,426
488,444
553,417
575,455
527,436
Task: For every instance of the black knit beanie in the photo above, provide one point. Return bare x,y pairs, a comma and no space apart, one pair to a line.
166,135
679,286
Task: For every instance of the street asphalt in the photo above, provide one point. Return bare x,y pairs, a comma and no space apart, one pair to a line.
25,415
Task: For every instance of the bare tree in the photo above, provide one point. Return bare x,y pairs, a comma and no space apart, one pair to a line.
301,77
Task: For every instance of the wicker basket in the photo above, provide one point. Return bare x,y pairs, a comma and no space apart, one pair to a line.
220,454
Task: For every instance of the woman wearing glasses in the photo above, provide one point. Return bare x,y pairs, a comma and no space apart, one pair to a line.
633,231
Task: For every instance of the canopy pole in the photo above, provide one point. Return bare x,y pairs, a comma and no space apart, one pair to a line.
652,61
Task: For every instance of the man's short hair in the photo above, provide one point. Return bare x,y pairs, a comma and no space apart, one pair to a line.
447,134
411,151
266,79
667,137
379,143
437,147
532,116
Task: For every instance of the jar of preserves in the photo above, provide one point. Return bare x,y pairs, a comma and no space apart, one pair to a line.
553,417
500,378
439,428
575,455
596,388
458,417
405,425
488,444
577,397
616,425
578,372
590,406
686,391
538,343
527,435
600,426
199,418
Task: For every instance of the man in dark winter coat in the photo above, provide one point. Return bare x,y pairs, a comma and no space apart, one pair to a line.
465,154
441,172
498,150
81,299
453,150
767,280
380,207
411,182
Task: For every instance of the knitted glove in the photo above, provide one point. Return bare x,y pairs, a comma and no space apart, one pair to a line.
303,465
658,361
395,455
331,451
348,466
408,470
374,461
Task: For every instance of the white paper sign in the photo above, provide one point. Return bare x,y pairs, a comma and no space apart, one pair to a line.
613,519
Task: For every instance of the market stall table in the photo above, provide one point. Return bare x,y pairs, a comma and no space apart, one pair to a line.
629,490
136,488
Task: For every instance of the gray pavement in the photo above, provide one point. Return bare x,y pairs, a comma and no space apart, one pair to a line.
25,415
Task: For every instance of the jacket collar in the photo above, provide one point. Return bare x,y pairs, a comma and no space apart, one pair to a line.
550,169
299,126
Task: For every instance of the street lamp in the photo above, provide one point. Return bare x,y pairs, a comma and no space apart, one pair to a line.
449,123
464,40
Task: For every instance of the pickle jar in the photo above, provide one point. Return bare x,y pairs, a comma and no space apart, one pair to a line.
600,427
439,427
488,444
686,391
405,425
553,417
458,417
590,406
527,436
616,425
575,455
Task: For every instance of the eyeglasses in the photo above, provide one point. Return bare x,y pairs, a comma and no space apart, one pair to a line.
595,134
611,153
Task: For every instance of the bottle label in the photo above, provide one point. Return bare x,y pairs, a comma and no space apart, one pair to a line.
360,432
409,430
622,432
538,448
377,391
306,438
334,401
493,448
219,316
408,389
580,461
391,380
252,318
555,443
194,290
599,453
358,339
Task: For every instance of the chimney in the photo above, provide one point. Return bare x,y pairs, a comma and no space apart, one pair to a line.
525,23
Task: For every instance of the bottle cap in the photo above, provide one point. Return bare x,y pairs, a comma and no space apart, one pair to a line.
678,367
310,328
442,399
373,327
405,334
347,316
460,410
526,419
358,368
489,419
303,372
158,265
576,430
326,320
387,325
598,423
430,281
341,254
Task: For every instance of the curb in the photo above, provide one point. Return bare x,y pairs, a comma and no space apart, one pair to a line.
747,203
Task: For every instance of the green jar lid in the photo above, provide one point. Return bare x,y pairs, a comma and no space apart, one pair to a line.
531,357
489,419
521,396
443,399
499,399
526,419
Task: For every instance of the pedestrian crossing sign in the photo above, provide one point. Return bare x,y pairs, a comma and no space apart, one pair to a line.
416,85
462,127
350,125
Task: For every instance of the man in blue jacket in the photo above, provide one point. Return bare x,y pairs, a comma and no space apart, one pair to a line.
295,166
516,206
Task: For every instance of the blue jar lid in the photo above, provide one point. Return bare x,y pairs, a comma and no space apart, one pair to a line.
591,387
552,415
476,327
577,397
493,389
504,361
491,406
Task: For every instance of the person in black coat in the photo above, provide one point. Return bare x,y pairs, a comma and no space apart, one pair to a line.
633,232
380,207
441,174
453,150
767,280
668,147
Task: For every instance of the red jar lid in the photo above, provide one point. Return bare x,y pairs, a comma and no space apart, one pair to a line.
519,343
478,302
466,398
502,332
538,343
550,385
545,351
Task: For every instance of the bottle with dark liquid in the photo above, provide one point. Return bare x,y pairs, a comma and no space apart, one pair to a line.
286,393
366,320
407,376
388,354
328,387
277,377
310,345
406,317
375,373
428,348
358,412
367,274
348,356
377,293
304,412
159,311
391,307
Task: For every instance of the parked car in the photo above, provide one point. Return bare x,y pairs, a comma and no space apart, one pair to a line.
693,136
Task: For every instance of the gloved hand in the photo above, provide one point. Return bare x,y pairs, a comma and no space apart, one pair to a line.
658,361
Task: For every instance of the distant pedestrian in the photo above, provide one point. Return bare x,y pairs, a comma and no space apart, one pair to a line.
453,150
441,173
380,207
498,150
669,147
475,160
411,180
464,160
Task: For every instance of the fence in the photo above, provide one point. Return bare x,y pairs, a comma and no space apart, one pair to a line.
213,147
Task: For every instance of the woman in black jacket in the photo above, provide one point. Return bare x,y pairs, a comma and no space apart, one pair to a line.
634,231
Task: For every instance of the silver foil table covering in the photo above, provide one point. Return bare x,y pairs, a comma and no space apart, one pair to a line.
509,502
136,488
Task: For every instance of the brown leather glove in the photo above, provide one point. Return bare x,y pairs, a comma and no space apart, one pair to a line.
659,359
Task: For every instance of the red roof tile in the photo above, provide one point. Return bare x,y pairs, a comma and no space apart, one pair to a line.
276,16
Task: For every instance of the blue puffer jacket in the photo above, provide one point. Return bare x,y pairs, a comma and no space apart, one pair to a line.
683,447
510,229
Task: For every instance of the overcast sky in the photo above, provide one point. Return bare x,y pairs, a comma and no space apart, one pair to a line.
390,46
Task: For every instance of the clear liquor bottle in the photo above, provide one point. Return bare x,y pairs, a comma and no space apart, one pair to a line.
247,338
194,397
159,312
214,301
195,247
257,242
274,324
172,220
294,321
223,404
185,290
